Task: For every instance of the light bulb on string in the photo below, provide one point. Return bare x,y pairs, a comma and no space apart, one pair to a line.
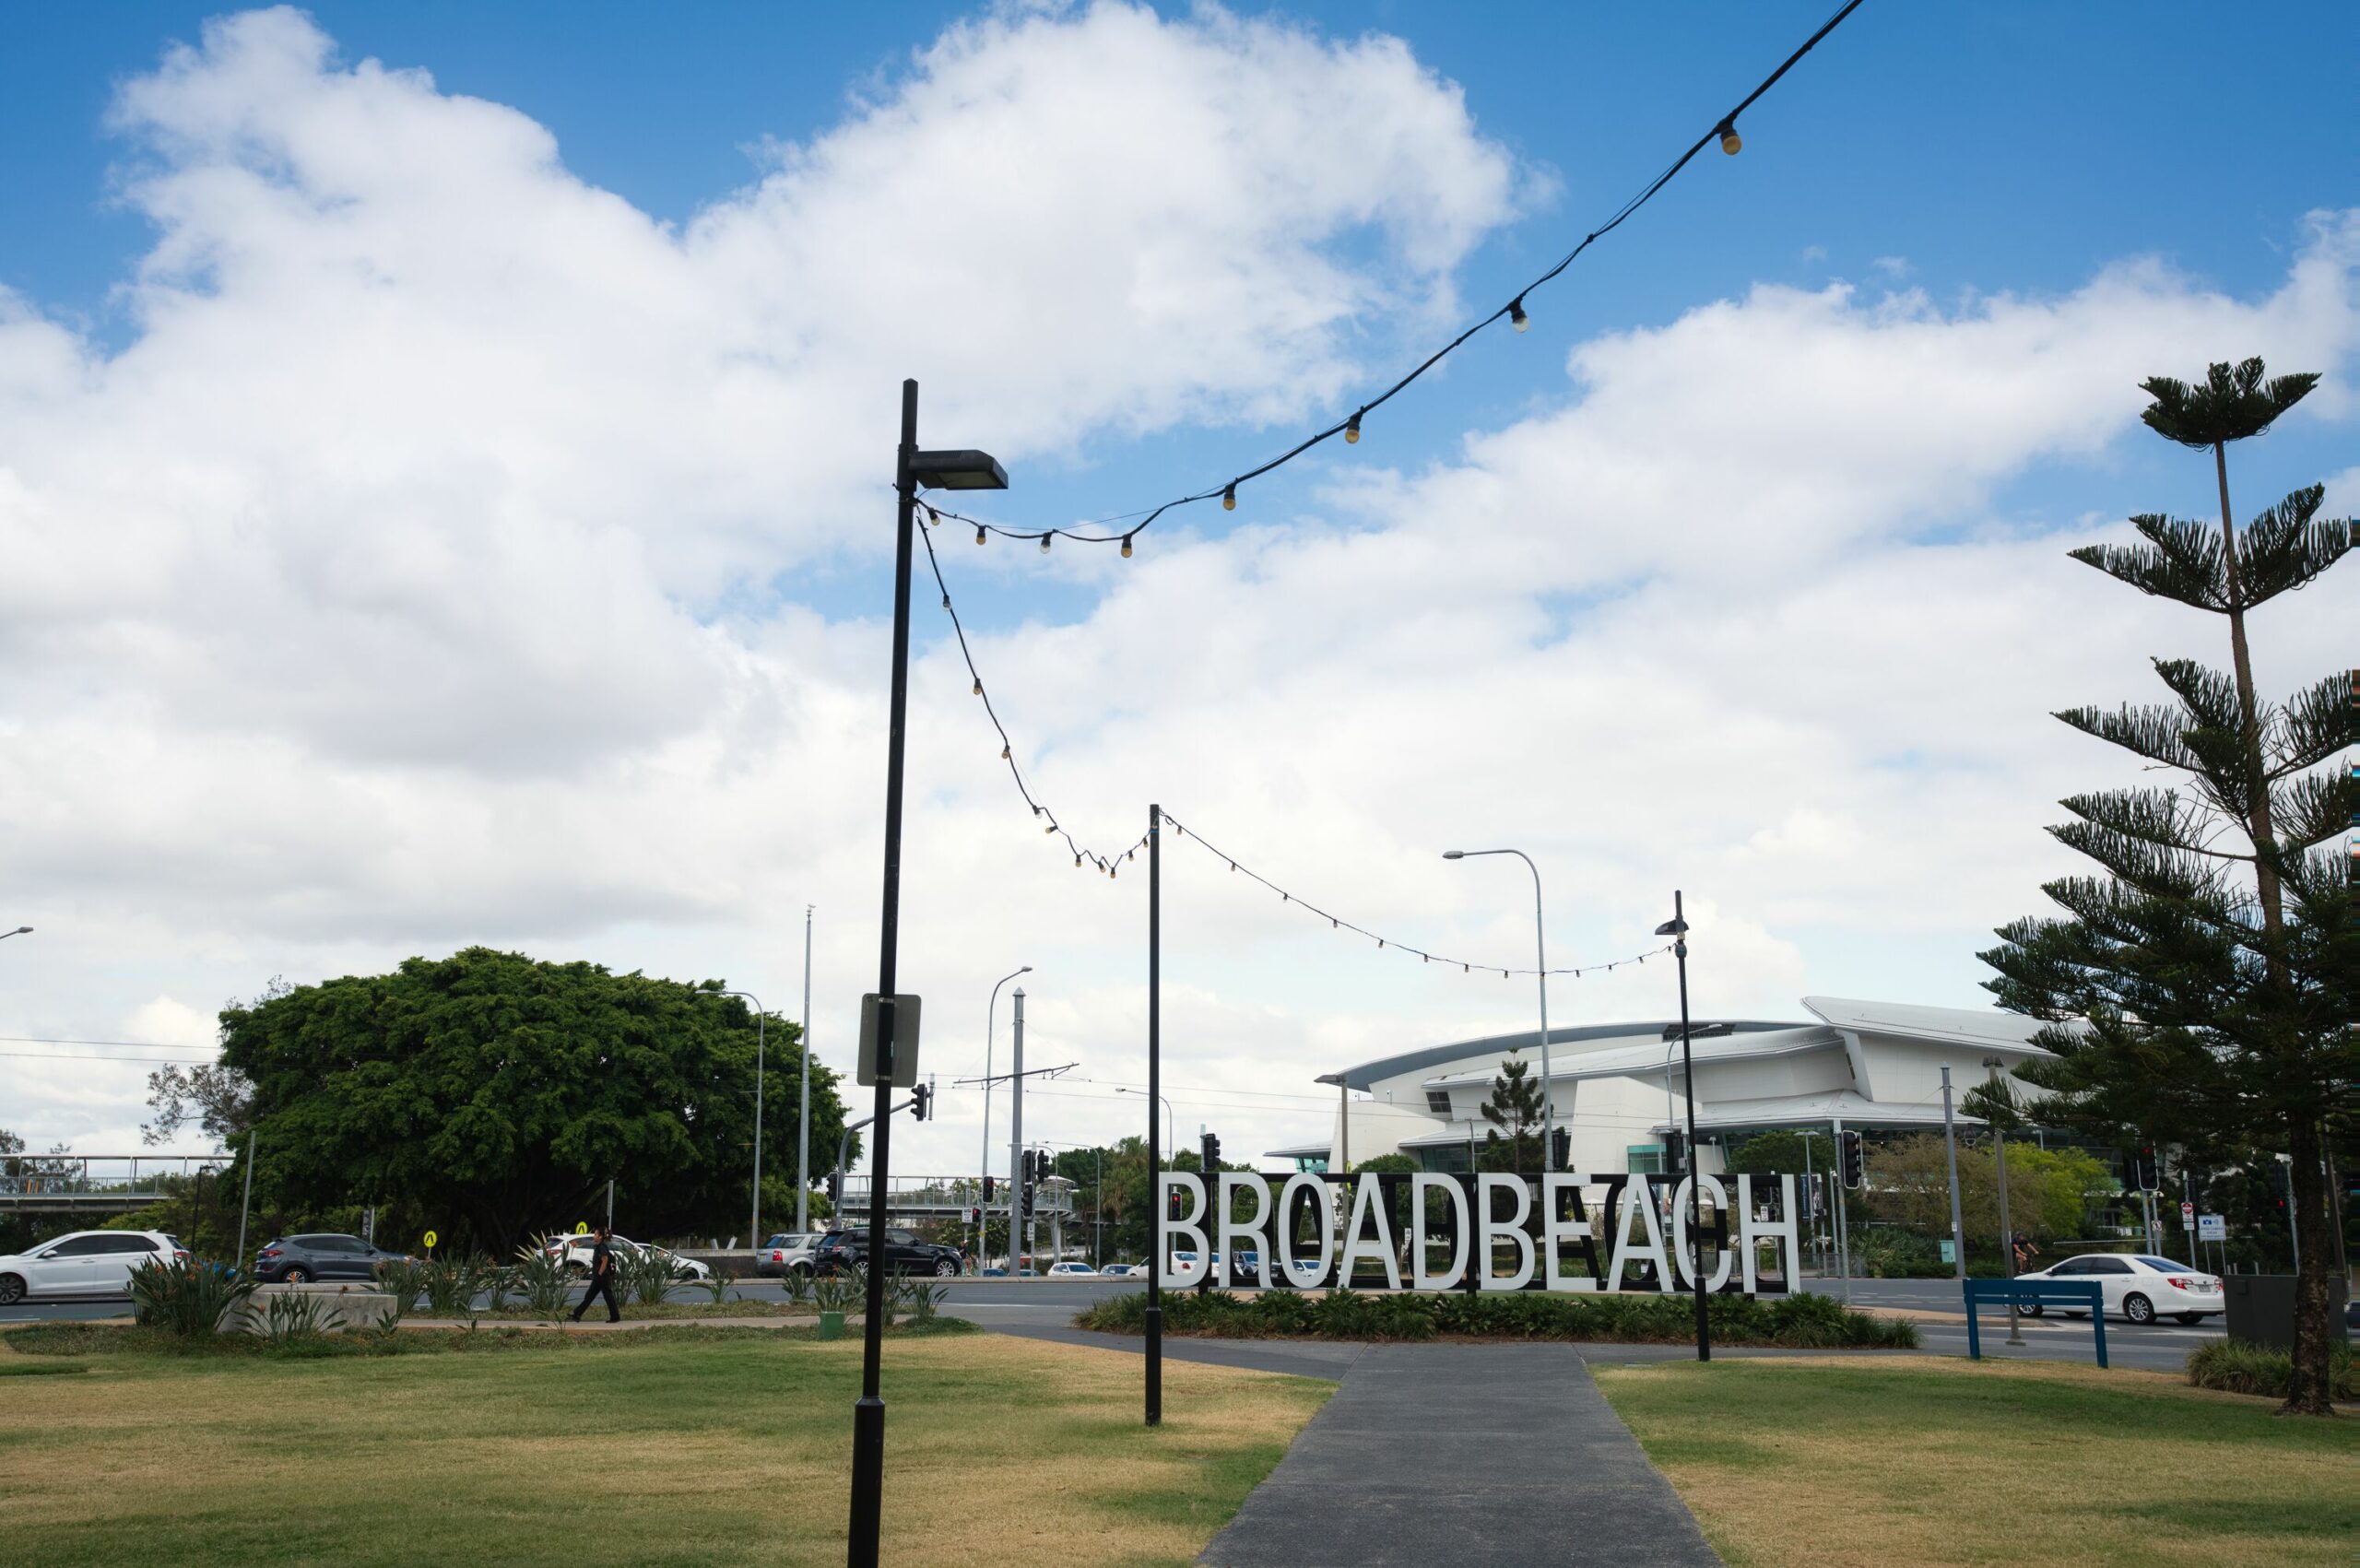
979,533
1077,863
1352,431
1229,498
1051,829
979,686
1003,754
1730,140
1044,542
1126,547
1516,318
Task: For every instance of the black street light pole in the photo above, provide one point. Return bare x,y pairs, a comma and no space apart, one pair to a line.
1154,1094
1677,929
947,470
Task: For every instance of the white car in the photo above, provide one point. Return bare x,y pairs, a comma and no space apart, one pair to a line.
2138,1288
86,1263
1116,1271
1072,1270
577,1250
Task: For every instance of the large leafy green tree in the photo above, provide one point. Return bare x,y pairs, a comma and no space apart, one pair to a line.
493,1095
2202,991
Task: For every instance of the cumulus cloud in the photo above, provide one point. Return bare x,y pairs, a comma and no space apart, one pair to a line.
362,604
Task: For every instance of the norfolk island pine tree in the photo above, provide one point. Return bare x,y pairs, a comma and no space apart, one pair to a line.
2203,991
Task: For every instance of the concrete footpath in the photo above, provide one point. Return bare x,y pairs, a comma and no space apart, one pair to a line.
1441,1455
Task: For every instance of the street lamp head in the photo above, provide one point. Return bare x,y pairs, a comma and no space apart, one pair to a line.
1336,1078
21,931
965,470
1454,855
1672,928
1026,969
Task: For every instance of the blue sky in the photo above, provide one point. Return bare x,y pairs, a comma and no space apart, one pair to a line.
420,543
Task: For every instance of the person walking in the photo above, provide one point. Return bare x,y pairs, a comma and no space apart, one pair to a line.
602,1278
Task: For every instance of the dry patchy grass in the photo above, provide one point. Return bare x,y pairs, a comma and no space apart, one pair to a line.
1839,1463
712,1451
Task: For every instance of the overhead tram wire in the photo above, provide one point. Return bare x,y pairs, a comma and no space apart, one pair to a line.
1724,130
1109,865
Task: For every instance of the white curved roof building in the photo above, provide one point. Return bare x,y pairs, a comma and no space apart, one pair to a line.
1620,1089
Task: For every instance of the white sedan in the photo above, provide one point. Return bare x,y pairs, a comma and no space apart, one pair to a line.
576,1250
2139,1287
1071,1271
86,1263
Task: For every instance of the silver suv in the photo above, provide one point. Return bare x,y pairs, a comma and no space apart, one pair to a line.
786,1252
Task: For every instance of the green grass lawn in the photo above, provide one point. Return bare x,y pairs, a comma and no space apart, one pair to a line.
1907,1462
691,1445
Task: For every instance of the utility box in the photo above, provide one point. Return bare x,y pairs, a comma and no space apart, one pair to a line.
2262,1309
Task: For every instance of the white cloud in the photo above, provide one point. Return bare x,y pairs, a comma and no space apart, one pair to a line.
346,610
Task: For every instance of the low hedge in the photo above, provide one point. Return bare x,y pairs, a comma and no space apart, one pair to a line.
2240,1366
1797,1322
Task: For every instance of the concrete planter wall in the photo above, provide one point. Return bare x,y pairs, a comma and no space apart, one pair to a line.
341,1307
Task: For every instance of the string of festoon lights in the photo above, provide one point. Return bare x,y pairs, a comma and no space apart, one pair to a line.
1724,130
1110,866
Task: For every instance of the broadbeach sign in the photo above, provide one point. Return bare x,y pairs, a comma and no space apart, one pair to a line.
1641,1222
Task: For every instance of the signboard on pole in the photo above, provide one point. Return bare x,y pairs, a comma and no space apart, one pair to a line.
903,1069
2212,1227
2187,1214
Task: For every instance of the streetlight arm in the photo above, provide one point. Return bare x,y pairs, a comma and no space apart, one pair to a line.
1540,971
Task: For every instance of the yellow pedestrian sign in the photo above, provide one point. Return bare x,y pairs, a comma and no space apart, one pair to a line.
582,1227
430,1240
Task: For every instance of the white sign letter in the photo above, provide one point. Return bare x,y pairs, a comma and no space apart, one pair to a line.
1169,1231
1369,1200
1247,1228
1512,1228
1321,1207
1720,1196
1422,1184
1553,1229
1752,1234
1638,1198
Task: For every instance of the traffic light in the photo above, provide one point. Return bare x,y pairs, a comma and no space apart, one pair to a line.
1675,1152
1856,1163
1560,1149
991,1186
920,1100
1211,1154
1173,1209
836,1190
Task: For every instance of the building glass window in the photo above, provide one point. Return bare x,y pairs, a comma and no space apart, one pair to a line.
1644,1158
1438,1101
1452,1157
1310,1163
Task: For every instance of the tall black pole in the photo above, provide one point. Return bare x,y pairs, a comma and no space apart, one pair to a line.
1696,1163
1154,1100
868,1414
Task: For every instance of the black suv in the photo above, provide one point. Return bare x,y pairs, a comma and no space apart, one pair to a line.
294,1259
904,1254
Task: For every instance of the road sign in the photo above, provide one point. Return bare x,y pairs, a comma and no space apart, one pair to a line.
582,1227
903,1062
2187,1214
431,1240
2212,1227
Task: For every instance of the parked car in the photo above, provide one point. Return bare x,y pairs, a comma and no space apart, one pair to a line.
2138,1288
576,1252
1184,1261
904,1254
85,1263
1244,1265
789,1252
1116,1271
292,1260
1072,1270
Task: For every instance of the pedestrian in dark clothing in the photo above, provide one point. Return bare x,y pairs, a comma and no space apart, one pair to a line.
602,1279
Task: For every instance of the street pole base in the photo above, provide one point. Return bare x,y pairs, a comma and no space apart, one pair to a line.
867,1481
1155,1366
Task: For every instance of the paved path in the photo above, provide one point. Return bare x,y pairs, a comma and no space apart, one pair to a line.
1442,1455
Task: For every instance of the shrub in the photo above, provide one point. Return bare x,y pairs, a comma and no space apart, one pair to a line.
500,1282
291,1320
451,1281
2240,1366
717,1285
1804,1322
644,1274
187,1297
541,1274
404,1280
840,1293
921,1298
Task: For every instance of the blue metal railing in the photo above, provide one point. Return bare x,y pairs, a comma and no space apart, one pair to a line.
2067,1292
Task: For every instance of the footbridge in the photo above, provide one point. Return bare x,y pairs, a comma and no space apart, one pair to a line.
98,1183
